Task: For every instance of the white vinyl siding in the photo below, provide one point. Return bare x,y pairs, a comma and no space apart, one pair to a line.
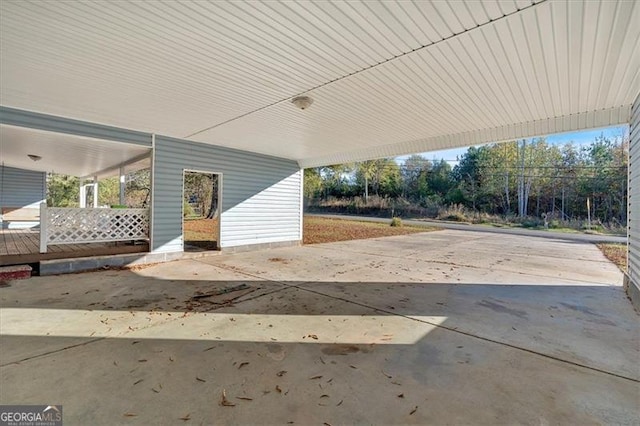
21,188
260,194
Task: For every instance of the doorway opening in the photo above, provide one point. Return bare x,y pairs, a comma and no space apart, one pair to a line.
201,210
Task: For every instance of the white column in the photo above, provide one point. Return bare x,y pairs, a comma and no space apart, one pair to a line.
44,223
95,192
83,194
122,186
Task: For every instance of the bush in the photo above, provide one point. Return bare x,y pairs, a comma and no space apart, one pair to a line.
396,222
530,223
453,213
187,210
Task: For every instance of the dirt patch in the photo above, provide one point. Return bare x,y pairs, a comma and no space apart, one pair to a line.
200,229
617,253
323,230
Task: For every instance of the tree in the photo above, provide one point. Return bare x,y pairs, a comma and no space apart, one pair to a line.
382,176
312,183
414,187
466,174
62,190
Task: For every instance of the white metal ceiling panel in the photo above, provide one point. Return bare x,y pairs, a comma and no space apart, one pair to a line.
66,154
387,78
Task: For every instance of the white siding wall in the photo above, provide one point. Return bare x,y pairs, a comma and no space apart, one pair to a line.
260,194
634,195
21,188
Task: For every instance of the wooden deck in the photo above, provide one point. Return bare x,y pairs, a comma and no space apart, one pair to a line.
20,246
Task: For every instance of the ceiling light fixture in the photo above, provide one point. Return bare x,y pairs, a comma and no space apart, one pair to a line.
302,102
34,157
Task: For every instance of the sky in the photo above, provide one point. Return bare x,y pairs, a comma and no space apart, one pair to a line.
578,138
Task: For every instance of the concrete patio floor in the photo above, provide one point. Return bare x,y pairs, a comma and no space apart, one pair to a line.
446,327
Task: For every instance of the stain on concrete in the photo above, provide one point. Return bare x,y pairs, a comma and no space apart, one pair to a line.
582,309
599,319
340,349
497,307
276,352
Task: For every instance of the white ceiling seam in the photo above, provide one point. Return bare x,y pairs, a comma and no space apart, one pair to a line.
171,69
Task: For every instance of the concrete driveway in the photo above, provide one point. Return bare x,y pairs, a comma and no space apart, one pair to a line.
446,327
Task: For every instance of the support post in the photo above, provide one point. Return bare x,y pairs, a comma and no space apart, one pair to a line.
122,186
44,222
83,194
95,192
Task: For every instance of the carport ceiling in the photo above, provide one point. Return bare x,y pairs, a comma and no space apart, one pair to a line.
67,154
388,78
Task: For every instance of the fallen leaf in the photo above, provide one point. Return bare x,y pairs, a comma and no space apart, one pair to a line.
245,398
156,391
142,360
281,373
200,380
340,403
278,389
224,401
138,382
135,342
242,364
185,418
396,383
322,360
315,377
324,396
414,410
389,376
171,359
401,395
354,367
313,336
208,349
129,415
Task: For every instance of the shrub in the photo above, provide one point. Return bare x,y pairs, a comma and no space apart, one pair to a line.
555,224
187,210
530,223
454,213
396,222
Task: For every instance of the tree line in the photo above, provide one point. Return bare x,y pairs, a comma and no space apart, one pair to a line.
523,178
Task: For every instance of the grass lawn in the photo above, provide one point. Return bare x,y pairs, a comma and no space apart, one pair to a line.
617,253
324,230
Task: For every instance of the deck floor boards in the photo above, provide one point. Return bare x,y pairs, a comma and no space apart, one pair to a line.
18,246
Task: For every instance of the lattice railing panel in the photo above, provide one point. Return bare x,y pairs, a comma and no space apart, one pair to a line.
75,225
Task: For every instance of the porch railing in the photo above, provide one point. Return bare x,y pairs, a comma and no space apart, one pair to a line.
83,225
